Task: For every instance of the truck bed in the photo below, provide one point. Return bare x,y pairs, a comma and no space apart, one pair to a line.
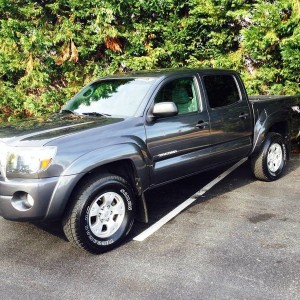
267,98
268,105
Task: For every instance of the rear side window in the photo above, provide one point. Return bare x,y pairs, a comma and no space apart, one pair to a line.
221,90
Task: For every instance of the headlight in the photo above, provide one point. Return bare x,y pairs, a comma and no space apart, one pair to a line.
28,160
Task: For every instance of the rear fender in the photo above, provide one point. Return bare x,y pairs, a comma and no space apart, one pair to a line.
266,123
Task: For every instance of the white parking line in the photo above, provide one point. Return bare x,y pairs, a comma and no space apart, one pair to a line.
149,231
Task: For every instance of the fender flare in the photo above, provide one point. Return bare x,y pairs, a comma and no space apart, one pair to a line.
262,127
89,161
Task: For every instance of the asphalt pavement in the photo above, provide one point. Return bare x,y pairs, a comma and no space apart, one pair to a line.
240,240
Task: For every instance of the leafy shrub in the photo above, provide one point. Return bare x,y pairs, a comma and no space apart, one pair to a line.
50,49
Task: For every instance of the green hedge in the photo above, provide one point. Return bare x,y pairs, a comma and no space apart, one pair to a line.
50,49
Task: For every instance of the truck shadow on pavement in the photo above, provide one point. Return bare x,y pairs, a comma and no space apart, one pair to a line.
164,199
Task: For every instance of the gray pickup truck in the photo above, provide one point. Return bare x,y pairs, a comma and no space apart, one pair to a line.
90,164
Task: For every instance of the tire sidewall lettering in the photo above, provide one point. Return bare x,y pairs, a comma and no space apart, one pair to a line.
127,198
284,150
86,218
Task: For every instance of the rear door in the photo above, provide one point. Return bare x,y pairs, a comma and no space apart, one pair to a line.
230,116
179,145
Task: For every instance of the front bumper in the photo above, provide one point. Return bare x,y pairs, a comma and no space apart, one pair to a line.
41,190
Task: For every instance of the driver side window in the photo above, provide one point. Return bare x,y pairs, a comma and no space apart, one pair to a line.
182,92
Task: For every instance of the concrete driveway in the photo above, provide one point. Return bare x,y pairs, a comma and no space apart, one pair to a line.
241,240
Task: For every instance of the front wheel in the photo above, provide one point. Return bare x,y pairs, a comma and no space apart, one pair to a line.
269,164
101,214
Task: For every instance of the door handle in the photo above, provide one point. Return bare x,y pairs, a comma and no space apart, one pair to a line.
243,116
202,124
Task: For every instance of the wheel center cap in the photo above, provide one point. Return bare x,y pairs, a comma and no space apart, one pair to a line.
105,214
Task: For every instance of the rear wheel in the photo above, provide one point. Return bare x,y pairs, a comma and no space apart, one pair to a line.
269,164
101,214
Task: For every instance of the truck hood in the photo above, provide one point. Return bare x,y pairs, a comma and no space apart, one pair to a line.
39,131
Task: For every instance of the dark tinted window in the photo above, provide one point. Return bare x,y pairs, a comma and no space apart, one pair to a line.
221,90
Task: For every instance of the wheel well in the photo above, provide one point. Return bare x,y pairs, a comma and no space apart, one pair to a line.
281,128
123,168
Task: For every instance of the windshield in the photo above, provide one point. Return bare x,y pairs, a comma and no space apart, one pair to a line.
113,97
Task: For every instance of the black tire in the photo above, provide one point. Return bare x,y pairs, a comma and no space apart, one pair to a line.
269,164
101,213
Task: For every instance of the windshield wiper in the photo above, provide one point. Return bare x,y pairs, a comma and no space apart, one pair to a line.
96,114
67,111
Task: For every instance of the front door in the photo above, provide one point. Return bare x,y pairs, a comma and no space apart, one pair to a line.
178,145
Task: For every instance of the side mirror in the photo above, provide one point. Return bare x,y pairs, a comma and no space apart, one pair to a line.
165,109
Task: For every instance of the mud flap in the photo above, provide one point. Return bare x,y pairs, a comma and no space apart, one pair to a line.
142,211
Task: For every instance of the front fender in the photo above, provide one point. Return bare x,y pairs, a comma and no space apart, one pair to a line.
86,163
105,155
